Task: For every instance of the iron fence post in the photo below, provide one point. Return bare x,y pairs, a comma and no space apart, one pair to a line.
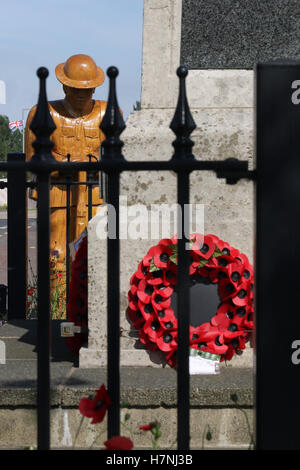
17,240
42,126
89,178
113,125
183,125
68,233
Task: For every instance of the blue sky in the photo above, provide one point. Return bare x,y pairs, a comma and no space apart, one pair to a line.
35,33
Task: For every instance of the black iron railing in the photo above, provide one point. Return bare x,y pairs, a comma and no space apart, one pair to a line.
112,164
17,218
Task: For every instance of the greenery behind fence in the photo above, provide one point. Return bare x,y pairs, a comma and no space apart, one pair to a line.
9,141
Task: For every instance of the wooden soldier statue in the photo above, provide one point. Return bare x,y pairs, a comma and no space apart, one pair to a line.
77,118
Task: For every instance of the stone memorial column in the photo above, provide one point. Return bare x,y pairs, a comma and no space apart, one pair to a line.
220,42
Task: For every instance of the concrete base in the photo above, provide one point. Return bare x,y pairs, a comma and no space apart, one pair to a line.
228,428
147,394
143,358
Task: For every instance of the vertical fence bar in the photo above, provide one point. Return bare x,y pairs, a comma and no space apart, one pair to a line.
183,125
101,177
89,178
113,299
44,320
112,125
68,230
17,240
183,309
42,126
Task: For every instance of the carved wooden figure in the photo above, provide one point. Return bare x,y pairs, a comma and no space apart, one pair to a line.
77,118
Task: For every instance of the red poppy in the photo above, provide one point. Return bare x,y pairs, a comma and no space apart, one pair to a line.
249,323
171,358
136,317
235,273
145,291
227,289
194,335
141,271
155,278
148,427
96,407
161,255
169,325
152,328
166,316
147,310
170,275
167,341
159,302
145,340
203,246
229,353
164,291
221,321
216,346
207,332
242,295
227,249
194,263
232,331
133,300
119,443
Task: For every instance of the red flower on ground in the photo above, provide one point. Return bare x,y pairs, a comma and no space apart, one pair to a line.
119,443
95,408
148,427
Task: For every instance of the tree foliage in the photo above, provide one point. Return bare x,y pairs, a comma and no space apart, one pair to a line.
9,141
137,106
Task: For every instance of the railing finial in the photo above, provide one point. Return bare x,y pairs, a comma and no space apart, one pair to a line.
182,123
112,123
42,124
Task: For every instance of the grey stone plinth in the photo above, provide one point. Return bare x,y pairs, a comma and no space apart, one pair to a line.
237,34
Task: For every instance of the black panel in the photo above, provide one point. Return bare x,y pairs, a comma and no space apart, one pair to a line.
238,33
278,255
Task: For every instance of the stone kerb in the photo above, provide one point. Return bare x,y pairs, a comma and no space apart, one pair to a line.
222,106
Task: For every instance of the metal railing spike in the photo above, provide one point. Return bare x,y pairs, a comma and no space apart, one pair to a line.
112,123
42,124
182,123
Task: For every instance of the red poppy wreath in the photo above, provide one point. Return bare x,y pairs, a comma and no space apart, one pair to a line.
212,261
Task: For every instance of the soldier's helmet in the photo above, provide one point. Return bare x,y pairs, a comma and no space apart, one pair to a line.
80,71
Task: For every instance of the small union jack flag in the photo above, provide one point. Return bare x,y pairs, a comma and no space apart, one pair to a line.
15,125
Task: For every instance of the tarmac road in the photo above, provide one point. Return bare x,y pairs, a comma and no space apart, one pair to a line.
3,245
